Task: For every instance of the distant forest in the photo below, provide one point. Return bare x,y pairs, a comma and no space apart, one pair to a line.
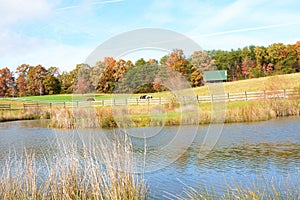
110,75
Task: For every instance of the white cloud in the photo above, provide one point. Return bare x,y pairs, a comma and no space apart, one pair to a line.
17,10
62,56
17,49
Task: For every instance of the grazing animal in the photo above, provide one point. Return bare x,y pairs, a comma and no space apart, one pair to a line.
90,99
145,97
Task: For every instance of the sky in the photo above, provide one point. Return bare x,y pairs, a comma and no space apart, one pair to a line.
63,33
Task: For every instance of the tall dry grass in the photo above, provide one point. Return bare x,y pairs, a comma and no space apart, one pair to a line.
274,188
92,169
82,118
12,115
174,114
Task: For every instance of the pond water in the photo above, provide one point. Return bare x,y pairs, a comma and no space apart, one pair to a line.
244,152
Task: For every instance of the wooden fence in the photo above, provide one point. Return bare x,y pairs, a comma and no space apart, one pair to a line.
243,96
246,96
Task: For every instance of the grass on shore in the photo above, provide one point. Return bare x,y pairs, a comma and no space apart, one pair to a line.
90,169
28,114
282,189
165,115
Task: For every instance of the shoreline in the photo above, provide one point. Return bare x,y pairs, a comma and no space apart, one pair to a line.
163,115
171,115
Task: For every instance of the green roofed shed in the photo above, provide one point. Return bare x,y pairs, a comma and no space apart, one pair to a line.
215,76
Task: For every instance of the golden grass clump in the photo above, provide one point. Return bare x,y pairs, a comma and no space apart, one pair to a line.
12,115
91,169
274,188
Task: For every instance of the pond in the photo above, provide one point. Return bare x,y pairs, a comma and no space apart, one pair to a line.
244,152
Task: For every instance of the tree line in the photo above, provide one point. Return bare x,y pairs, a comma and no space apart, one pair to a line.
111,75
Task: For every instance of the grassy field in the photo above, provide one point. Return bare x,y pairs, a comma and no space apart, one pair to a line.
288,81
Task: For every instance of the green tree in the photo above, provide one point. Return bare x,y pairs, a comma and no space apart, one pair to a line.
163,60
51,84
140,62
66,80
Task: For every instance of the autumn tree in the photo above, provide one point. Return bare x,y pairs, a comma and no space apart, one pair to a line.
95,74
178,62
35,79
120,69
160,79
152,61
22,72
106,80
200,61
288,62
7,82
83,82
246,67
196,78
54,71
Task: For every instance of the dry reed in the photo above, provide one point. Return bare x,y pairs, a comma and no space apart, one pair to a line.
91,169
274,188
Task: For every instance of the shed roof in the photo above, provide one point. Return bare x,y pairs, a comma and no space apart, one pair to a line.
216,75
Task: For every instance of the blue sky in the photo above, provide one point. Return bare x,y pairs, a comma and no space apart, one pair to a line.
64,32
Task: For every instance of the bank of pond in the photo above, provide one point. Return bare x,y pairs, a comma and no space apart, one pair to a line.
158,115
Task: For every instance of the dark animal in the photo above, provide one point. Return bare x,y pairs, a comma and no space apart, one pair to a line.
145,97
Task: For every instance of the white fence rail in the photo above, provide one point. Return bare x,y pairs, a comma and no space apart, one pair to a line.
243,96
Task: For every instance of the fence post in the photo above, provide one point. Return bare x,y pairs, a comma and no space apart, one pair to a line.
265,96
228,96
284,93
159,100
114,101
246,96
126,101
77,104
102,102
212,97
137,101
50,106
64,105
